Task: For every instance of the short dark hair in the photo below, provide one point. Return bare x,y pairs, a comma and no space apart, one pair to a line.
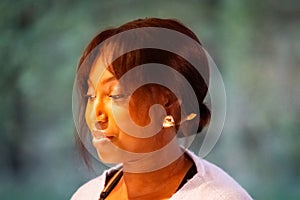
138,57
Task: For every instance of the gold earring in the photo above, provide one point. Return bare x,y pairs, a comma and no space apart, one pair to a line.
168,121
189,117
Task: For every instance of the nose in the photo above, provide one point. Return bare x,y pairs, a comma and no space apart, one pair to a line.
101,121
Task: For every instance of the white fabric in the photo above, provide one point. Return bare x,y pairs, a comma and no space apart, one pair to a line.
210,183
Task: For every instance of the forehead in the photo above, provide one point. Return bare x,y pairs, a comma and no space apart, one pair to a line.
99,72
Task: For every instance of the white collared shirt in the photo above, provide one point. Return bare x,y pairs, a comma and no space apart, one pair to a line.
210,183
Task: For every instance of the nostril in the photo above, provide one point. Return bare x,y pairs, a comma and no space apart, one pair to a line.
101,125
102,121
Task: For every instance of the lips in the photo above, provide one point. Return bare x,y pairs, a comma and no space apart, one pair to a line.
98,134
100,139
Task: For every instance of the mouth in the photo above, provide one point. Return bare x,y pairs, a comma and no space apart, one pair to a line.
101,135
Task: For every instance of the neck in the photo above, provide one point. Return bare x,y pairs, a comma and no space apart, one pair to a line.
153,161
161,183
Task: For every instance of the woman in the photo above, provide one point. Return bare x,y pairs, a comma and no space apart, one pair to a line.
139,101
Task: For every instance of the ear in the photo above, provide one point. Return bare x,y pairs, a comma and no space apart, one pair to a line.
172,105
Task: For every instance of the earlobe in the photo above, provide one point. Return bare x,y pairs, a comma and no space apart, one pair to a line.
173,113
168,121
171,105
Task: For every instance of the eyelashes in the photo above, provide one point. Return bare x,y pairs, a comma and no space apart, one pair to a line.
115,97
90,97
110,92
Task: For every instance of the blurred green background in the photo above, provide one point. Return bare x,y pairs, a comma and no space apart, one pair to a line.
254,43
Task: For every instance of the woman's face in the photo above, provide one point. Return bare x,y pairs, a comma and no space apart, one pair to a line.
107,102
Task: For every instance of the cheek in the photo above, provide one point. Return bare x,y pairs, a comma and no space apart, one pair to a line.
89,115
139,106
117,113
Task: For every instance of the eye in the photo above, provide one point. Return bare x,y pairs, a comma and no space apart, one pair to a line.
90,97
117,96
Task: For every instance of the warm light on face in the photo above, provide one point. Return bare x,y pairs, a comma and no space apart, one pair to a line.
137,137
106,102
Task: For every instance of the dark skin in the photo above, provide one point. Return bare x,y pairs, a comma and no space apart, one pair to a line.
161,183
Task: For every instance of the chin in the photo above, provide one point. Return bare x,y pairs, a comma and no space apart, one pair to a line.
108,159
111,155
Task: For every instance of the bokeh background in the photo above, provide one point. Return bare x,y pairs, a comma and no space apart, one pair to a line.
254,43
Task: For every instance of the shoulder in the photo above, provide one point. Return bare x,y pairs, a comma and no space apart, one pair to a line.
217,184
211,182
90,190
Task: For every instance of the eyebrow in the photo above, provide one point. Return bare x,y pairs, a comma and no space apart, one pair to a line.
90,83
